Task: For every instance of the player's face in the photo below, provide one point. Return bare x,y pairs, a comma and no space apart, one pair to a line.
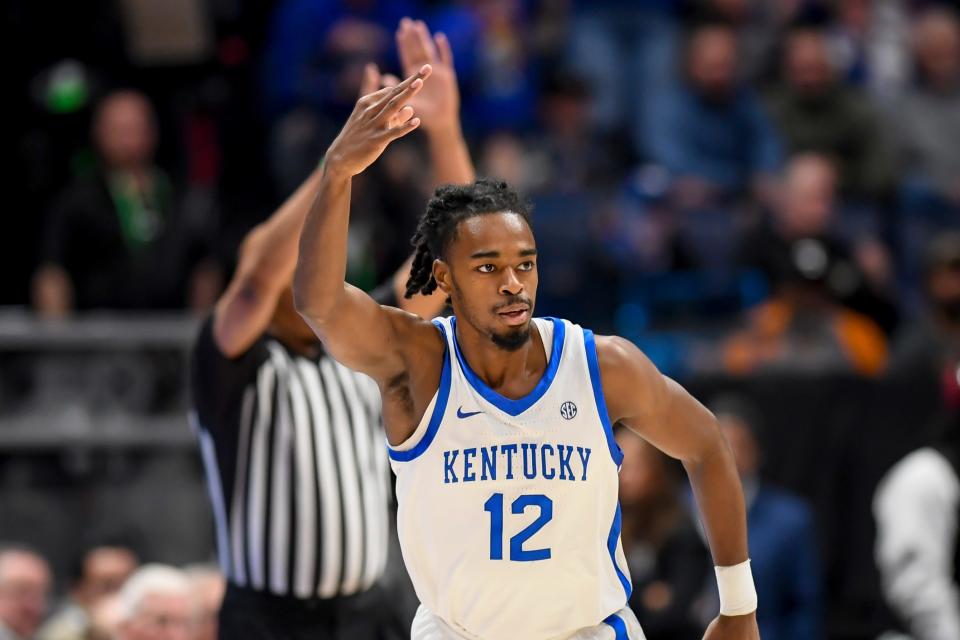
491,276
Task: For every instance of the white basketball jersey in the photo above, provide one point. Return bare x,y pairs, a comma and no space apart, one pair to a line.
509,518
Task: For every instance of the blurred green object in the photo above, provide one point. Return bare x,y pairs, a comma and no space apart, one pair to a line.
67,88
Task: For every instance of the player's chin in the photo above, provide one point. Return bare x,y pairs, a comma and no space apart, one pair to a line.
513,338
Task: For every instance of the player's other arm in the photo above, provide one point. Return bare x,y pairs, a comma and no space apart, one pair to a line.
353,327
664,414
265,264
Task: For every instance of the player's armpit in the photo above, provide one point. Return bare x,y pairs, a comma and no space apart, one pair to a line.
380,341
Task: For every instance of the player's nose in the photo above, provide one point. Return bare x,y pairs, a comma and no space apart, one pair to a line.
511,284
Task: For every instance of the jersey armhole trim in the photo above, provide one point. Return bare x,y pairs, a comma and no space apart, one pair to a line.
439,409
594,366
616,623
613,541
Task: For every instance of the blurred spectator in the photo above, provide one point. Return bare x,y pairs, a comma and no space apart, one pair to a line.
313,63
933,343
208,586
628,50
504,155
115,239
669,564
24,588
806,210
927,127
101,573
782,535
711,133
760,25
156,603
495,61
578,156
869,42
816,112
802,327
916,506
316,51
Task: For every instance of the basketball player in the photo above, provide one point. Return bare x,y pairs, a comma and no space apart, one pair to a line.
500,424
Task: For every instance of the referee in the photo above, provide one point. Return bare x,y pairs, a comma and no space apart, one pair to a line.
291,440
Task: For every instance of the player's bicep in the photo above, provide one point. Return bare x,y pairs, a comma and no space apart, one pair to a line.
363,335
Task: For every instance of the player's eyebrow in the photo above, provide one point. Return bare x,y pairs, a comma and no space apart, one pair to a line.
528,252
485,254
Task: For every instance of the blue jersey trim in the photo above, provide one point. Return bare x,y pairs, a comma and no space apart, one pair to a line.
619,628
588,340
439,408
508,405
612,541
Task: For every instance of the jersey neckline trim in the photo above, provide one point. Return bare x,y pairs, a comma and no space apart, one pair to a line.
439,409
509,405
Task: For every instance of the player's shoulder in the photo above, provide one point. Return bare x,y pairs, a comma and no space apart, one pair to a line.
619,356
629,379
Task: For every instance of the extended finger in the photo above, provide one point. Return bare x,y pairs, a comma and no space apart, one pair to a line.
407,84
400,98
444,49
413,43
379,98
404,45
389,99
425,41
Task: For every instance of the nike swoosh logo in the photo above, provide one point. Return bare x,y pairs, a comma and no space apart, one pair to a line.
461,414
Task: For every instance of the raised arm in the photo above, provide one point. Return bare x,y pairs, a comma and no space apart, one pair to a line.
353,327
265,267
438,104
664,414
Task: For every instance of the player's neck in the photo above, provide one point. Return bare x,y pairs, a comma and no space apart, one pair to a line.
511,373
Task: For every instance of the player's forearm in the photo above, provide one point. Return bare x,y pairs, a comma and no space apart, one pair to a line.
270,250
450,155
318,284
719,495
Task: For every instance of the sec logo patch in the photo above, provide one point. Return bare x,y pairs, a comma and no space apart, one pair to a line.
568,410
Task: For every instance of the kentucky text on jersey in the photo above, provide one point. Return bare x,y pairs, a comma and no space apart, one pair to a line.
516,461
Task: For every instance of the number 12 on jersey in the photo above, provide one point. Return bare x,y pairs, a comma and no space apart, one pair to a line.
494,506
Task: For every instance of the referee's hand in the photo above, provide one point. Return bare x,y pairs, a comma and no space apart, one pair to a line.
378,119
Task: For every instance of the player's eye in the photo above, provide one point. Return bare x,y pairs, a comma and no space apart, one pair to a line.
486,268
525,266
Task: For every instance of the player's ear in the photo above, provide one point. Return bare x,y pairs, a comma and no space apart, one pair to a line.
441,273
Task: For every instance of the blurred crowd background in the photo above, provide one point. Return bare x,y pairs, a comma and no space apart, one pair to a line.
763,194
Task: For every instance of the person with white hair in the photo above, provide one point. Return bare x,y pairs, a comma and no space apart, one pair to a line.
156,603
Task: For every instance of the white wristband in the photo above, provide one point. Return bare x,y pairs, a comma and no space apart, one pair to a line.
738,596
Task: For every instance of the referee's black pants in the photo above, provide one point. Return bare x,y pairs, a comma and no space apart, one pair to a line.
252,615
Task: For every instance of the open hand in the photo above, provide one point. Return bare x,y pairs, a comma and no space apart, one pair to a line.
733,628
378,119
439,102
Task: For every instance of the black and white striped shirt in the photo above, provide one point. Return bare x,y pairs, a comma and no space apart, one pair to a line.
296,467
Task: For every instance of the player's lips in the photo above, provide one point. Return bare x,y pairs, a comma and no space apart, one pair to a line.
515,314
